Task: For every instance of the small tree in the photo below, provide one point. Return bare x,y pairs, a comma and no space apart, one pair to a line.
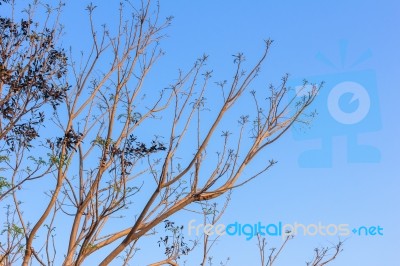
114,140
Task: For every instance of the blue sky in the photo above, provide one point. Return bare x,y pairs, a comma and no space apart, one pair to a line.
345,183
360,40
335,41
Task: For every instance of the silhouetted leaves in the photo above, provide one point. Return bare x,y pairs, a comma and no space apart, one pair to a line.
71,139
130,152
178,246
32,75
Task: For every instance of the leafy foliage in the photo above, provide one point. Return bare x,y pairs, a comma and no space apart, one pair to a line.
174,243
32,70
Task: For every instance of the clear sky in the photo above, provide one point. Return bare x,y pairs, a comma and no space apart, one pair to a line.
337,41
353,178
